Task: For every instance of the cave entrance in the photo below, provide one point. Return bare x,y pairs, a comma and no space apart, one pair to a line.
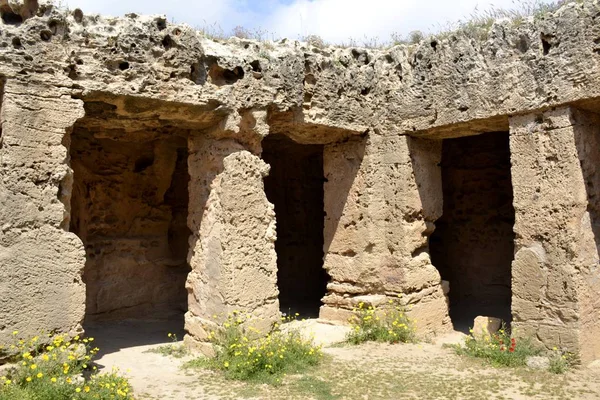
295,187
129,206
473,244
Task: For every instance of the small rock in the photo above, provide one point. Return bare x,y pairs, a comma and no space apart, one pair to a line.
4,369
486,326
538,362
446,287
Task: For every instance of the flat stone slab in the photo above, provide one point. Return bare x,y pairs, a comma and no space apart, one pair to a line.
324,334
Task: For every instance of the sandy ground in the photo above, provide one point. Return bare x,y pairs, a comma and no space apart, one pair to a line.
370,371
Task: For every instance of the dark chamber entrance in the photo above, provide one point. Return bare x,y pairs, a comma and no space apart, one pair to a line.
473,244
295,187
129,207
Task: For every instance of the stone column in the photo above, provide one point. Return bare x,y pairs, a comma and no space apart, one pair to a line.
381,198
233,259
555,272
40,261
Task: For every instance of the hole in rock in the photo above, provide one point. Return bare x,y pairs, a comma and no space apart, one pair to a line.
78,15
16,42
167,42
546,45
256,66
45,35
197,74
11,18
473,243
221,76
295,187
129,206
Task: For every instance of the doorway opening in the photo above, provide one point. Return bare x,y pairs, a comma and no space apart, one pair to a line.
129,206
295,187
473,244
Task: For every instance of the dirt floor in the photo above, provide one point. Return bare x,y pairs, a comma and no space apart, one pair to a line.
370,371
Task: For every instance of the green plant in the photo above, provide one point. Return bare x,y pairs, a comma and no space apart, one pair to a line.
560,361
265,359
389,324
500,349
52,368
174,349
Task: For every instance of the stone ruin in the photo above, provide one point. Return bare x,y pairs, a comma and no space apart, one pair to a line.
150,172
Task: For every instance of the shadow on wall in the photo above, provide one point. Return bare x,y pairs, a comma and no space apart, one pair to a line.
587,141
342,163
2,84
310,184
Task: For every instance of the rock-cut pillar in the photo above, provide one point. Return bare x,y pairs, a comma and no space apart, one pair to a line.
41,262
555,274
233,259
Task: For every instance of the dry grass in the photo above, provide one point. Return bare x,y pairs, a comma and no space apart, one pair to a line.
378,371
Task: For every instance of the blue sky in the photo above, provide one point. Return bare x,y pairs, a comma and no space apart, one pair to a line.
334,20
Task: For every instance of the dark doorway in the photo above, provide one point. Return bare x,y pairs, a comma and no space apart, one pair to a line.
129,207
473,244
295,187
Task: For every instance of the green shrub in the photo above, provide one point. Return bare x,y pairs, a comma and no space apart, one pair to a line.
388,324
501,349
51,368
265,359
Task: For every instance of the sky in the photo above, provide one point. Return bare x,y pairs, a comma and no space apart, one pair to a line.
336,21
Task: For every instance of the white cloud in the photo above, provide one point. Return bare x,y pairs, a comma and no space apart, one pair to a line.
339,20
334,20
224,13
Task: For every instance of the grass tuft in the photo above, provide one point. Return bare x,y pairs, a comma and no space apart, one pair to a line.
560,361
174,349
